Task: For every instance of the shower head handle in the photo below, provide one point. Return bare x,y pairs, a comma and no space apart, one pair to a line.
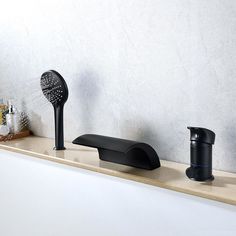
59,127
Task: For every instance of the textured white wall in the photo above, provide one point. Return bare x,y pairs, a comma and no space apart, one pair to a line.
141,70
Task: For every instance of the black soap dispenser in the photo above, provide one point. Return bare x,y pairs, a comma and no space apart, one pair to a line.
201,154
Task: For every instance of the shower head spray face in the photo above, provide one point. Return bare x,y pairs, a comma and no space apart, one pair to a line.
55,90
54,87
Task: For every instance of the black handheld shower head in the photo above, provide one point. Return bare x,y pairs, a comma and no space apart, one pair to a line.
55,90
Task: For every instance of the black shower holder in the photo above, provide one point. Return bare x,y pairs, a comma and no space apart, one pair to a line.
121,151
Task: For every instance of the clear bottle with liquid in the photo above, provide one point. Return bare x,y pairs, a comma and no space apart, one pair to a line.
13,118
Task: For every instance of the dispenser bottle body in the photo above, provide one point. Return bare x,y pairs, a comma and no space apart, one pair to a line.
13,122
13,119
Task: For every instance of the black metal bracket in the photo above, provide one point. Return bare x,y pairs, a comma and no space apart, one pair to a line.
121,151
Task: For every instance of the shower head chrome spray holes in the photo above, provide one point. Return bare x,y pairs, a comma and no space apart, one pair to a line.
55,90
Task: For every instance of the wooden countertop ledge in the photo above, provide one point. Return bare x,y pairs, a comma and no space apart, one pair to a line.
170,175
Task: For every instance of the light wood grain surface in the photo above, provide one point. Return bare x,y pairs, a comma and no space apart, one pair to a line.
171,175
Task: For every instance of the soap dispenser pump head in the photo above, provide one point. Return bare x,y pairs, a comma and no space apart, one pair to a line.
201,141
11,108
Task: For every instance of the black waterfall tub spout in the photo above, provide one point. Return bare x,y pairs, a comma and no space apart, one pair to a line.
121,151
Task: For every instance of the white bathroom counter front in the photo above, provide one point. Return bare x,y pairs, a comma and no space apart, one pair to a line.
170,175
